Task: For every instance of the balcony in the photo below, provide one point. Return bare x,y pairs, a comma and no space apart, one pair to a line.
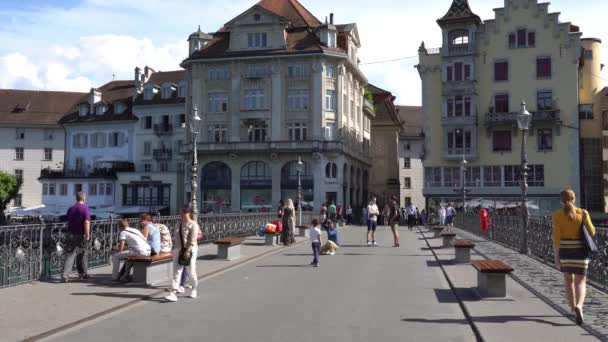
99,172
510,119
470,120
162,154
163,129
369,106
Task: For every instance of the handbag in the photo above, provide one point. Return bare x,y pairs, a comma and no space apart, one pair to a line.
184,257
588,242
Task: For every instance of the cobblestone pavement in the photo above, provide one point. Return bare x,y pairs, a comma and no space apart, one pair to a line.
546,282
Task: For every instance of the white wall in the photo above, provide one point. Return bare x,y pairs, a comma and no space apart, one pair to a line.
90,154
64,201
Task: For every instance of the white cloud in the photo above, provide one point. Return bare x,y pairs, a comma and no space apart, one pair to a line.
18,72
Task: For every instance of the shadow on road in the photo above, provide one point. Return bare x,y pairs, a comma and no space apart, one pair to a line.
491,319
279,266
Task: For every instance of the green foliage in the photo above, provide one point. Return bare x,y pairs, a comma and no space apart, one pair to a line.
368,95
9,187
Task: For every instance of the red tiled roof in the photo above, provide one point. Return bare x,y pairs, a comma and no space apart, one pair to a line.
34,107
161,77
292,10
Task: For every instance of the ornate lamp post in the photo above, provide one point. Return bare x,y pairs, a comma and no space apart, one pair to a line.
299,168
523,123
195,123
463,167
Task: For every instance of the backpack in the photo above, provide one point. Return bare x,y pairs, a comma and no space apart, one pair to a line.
166,243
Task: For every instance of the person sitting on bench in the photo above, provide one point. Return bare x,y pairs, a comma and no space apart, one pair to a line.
137,246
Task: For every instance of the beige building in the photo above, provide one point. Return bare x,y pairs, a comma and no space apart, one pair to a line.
472,89
273,85
32,138
411,153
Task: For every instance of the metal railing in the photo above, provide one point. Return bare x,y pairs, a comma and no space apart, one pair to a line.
37,251
506,228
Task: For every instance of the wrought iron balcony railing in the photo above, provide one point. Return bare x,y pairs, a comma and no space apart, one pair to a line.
544,116
162,154
163,129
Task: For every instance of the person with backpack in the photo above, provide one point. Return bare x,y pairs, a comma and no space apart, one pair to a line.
136,245
394,216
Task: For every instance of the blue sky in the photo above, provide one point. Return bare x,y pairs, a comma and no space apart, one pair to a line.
76,44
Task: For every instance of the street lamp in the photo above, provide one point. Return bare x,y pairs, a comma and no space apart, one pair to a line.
299,168
195,123
523,123
463,166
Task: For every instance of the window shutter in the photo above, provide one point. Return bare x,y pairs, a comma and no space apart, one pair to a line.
531,39
512,40
458,67
521,37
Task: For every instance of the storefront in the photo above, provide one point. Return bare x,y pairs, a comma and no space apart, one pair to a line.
256,187
216,186
289,184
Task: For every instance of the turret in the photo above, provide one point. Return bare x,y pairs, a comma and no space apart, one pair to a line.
198,40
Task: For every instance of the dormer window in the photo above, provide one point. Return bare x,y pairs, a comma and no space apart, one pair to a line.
167,91
119,108
148,93
331,40
458,40
100,109
181,89
257,40
84,109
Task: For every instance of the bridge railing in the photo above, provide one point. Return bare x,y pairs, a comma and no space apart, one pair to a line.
35,251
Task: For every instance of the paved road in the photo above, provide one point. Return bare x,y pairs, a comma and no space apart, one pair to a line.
360,294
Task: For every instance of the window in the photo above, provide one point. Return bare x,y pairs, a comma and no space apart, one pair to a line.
147,148
501,103
407,183
451,177
297,99
588,54
458,106
585,112
458,40
79,140
458,72
119,108
296,131
45,189
79,163
254,99
492,176
331,41
536,175
459,142
100,109
48,134
163,167
330,71
20,133
432,177
545,139
105,189
543,67
182,120
148,122
147,167
501,71
544,100
501,141
216,73
331,171
531,39
181,89
257,40
19,174
117,139
329,131
148,93
512,40
167,91
77,188
83,110
407,163
18,153
217,133
17,202
512,175
330,100
256,71
472,176
98,140
522,38
257,133
48,154
218,102
298,70
93,189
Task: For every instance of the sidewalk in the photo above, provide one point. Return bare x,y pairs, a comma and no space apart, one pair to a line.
32,309
535,306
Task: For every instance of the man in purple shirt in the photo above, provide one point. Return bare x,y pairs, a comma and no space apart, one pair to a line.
78,235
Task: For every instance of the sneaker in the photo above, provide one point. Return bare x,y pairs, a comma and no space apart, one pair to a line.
578,315
181,289
189,286
316,265
369,243
375,243
126,279
84,276
172,297
193,294
312,263
65,280
332,253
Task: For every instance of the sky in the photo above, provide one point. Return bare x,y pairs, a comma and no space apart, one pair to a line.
73,45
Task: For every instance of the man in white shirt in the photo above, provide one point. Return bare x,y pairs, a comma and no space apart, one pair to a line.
372,222
411,215
315,241
137,246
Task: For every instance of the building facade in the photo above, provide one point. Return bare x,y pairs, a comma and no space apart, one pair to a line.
33,139
272,86
473,87
411,153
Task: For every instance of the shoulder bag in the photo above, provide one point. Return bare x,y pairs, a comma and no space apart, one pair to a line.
184,256
588,242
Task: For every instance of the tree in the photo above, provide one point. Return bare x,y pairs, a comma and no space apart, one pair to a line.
9,187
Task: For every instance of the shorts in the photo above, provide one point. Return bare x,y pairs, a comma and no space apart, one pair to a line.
449,220
371,225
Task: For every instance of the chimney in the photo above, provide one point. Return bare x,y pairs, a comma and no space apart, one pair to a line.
94,97
137,82
147,73
331,18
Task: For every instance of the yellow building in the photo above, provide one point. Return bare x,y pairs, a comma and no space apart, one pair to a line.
473,87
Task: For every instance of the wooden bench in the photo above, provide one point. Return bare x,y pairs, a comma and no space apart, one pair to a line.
491,277
229,248
463,251
302,230
152,270
448,236
270,238
437,231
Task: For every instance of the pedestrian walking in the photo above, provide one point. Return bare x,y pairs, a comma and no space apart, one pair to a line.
150,232
569,249
315,241
450,214
289,222
411,216
77,238
423,217
332,211
349,215
394,219
324,211
131,242
372,222
185,245
442,215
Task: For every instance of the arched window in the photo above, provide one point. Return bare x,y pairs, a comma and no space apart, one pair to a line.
458,39
331,171
255,170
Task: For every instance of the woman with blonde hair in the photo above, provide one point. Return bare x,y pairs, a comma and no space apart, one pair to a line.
186,244
568,248
289,222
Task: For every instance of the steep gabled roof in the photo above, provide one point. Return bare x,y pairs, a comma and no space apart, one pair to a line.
459,11
292,10
35,107
411,117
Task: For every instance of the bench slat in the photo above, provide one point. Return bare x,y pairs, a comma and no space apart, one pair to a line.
158,257
463,244
229,241
491,266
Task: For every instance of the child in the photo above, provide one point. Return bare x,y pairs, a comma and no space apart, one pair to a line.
315,240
